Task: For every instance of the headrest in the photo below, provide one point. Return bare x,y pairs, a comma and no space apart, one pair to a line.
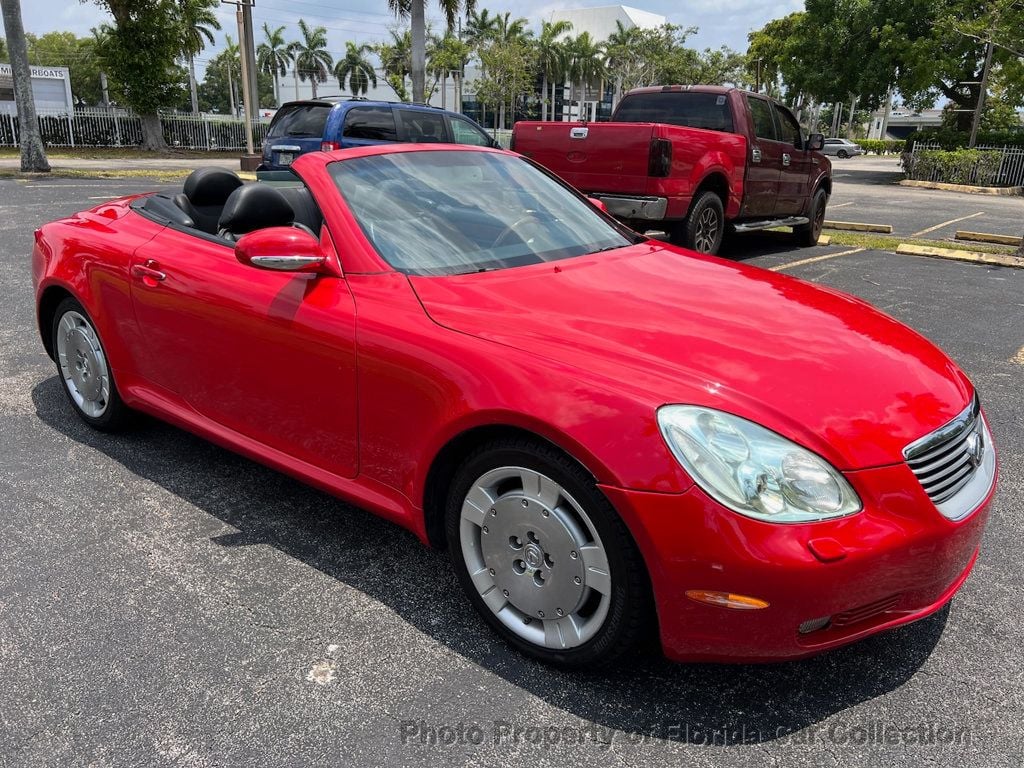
210,186
255,206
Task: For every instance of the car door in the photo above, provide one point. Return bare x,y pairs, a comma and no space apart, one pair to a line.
796,165
268,355
368,125
764,161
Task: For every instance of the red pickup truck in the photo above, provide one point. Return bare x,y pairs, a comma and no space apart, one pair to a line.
689,159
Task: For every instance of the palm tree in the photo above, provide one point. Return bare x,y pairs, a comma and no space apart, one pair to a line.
415,10
479,28
586,65
447,55
197,21
312,61
232,54
33,155
273,56
551,59
355,68
396,61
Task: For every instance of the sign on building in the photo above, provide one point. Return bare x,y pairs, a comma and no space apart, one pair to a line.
51,87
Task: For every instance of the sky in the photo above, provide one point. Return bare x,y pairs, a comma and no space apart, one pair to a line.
720,22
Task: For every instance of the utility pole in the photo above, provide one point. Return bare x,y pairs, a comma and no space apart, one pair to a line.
246,101
982,88
249,83
249,51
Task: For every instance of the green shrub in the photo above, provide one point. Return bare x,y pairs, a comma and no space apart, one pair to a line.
882,146
960,166
950,139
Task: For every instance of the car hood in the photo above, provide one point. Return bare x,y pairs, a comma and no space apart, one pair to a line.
818,366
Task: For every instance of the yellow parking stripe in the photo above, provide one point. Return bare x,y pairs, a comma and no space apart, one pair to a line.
814,259
947,223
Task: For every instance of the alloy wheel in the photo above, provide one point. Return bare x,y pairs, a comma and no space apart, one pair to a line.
83,364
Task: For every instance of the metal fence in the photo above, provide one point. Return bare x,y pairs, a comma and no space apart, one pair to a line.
118,128
993,167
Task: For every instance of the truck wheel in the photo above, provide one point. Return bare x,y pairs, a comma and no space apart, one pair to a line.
705,226
808,234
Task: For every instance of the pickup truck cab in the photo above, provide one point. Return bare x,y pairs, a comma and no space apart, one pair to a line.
690,160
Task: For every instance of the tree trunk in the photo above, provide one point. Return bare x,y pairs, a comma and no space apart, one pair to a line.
312,82
544,99
277,90
152,133
231,94
33,155
501,118
192,84
295,71
419,50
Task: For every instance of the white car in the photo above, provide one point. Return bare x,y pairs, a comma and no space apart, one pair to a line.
842,148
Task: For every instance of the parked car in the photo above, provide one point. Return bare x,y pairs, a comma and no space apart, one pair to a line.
689,159
609,434
332,123
842,148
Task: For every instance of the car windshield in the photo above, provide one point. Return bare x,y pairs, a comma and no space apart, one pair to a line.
454,212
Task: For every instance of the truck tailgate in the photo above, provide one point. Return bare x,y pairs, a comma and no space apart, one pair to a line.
606,157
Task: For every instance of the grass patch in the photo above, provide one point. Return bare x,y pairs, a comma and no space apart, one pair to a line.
155,174
889,242
122,153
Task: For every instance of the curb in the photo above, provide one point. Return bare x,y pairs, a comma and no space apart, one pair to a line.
954,254
985,237
856,226
824,240
970,190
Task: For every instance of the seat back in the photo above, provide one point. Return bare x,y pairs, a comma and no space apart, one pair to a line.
252,207
204,195
307,212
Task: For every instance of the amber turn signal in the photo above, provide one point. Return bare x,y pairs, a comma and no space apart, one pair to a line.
726,599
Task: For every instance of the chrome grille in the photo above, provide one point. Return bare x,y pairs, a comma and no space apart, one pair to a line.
946,460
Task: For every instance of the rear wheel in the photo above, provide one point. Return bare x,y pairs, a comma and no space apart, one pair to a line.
84,370
704,228
808,234
842,154
544,557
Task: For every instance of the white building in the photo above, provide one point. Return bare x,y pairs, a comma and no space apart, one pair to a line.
601,23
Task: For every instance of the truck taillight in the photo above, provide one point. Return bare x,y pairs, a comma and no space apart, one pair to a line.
659,162
329,146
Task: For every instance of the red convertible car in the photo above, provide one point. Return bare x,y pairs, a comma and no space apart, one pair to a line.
612,436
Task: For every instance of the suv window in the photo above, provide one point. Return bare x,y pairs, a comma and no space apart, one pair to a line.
789,128
371,123
464,132
691,110
301,120
761,113
423,127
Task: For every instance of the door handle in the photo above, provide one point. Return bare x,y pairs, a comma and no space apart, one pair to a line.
786,158
148,273
755,155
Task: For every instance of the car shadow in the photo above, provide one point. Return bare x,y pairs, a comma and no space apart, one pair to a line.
646,697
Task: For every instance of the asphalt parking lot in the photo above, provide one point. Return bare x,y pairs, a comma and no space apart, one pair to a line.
163,601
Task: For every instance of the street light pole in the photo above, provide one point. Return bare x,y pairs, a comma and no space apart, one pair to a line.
982,88
246,101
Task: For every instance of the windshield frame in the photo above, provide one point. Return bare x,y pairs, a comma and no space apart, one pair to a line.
497,265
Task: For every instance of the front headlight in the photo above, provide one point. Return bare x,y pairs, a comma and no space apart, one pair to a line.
752,470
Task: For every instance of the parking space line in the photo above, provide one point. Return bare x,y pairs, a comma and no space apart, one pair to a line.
841,205
814,259
947,223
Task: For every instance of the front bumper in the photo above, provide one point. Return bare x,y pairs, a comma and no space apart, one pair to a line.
895,562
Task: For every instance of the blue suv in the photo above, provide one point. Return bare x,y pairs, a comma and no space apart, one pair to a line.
331,123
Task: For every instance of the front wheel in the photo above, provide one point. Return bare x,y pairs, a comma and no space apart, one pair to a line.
544,557
808,234
842,154
704,228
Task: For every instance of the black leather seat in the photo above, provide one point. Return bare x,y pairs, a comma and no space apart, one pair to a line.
307,212
256,206
205,193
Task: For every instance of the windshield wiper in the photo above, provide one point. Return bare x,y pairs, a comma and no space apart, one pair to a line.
606,248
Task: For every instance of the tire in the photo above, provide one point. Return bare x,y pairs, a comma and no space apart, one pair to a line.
808,234
842,154
526,529
83,369
704,227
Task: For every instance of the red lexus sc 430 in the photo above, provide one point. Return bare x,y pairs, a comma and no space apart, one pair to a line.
612,436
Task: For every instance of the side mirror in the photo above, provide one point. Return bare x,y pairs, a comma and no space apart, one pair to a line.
599,204
282,249
816,142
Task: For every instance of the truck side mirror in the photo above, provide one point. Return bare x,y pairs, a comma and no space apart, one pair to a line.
816,142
